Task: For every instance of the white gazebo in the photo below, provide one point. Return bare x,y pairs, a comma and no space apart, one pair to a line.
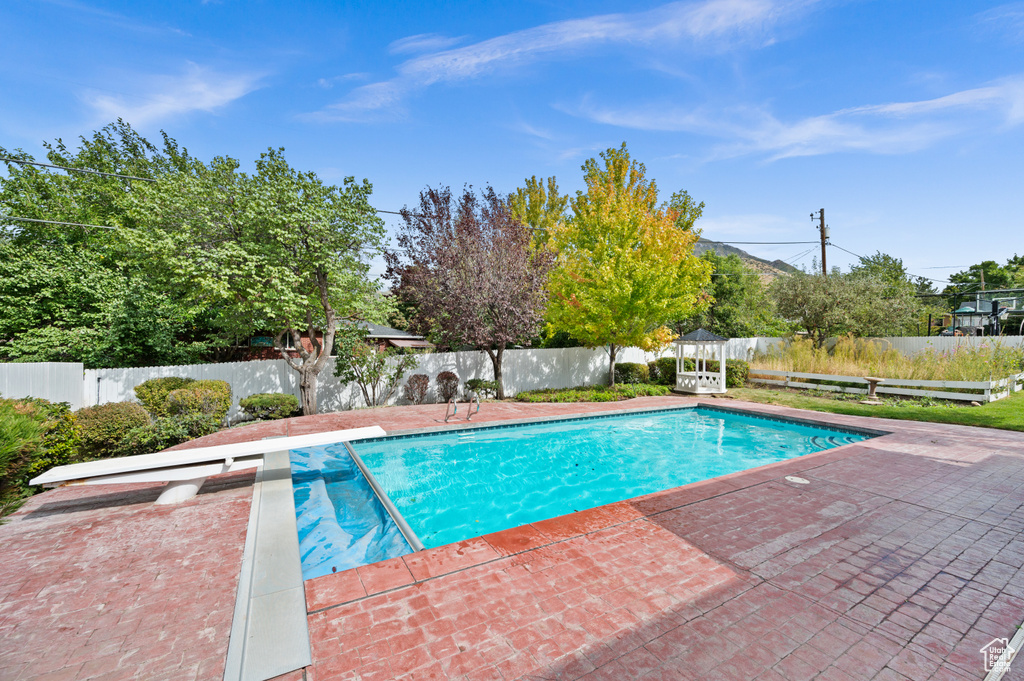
701,346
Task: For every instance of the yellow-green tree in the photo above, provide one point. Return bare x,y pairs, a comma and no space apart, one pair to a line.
624,268
539,205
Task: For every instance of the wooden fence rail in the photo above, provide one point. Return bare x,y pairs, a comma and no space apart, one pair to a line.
987,391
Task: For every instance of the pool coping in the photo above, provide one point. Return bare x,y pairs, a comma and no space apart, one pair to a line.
611,413
341,588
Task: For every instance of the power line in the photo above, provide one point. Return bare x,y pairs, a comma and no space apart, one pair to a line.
850,252
54,222
10,159
800,255
761,243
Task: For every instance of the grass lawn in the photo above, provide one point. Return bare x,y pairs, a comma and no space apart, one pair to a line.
1007,413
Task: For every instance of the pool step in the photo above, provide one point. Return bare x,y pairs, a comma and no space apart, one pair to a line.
341,523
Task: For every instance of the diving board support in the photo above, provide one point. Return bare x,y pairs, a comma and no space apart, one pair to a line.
414,542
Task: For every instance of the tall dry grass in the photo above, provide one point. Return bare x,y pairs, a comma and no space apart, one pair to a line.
985,359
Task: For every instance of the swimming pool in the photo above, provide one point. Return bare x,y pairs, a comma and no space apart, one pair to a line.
457,484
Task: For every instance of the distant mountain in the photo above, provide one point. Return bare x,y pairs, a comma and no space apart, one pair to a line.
769,268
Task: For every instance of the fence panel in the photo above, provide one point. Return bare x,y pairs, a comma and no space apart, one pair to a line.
912,345
245,378
53,381
524,369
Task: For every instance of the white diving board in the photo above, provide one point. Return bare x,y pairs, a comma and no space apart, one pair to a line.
185,470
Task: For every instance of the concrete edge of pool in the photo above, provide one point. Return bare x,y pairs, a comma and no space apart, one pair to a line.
329,591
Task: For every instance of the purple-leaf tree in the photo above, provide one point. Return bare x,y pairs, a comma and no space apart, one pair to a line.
469,269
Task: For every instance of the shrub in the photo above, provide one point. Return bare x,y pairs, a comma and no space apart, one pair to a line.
415,390
104,426
61,440
628,391
482,387
153,393
594,393
631,372
166,432
662,371
270,405
447,386
21,434
212,398
736,373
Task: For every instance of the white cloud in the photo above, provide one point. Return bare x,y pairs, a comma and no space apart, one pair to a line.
328,83
199,89
424,42
690,23
1007,19
893,128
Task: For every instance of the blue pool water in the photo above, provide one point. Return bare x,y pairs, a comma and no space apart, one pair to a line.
459,484
341,523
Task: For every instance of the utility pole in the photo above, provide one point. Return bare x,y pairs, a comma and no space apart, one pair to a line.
824,238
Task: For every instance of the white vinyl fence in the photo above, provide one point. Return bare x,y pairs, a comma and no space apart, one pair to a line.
912,345
528,369
53,381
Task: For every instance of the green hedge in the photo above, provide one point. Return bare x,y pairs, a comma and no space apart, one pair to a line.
153,393
663,371
482,387
104,426
209,398
595,393
61,439
21,435
166,432
270,405
631,372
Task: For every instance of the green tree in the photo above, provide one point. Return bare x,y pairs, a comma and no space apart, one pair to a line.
843,303
992,273
377,372
278,250
624,269
70,293
742,307
885,268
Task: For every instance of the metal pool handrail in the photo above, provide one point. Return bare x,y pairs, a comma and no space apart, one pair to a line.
395,514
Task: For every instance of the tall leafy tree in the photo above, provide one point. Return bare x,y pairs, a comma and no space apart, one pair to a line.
71,293
468,267
624,267
278,249
843,303
741,306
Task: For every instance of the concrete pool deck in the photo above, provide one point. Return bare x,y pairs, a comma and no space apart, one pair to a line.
900,559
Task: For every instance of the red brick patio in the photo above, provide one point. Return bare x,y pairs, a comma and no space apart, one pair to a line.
899,560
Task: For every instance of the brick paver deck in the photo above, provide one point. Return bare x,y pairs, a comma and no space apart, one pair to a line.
98,583
900,559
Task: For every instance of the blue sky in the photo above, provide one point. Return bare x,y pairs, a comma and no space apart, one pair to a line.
903,119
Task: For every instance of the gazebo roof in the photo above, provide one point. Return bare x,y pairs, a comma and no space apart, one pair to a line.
701,336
